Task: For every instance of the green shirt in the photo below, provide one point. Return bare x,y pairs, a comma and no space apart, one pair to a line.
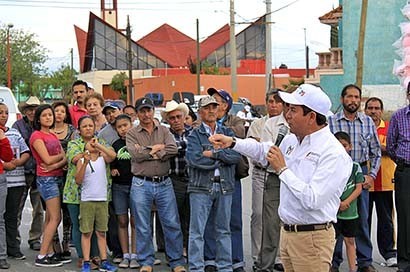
72,193
355,178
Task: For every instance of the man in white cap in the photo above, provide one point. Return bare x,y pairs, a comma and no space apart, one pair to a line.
313,169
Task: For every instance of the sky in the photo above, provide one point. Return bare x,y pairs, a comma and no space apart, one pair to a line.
53,21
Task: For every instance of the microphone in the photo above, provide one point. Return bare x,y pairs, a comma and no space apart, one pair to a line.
283,131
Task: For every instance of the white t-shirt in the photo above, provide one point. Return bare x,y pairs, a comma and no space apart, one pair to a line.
94,186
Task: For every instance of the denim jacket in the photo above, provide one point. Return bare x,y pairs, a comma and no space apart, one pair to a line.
201,169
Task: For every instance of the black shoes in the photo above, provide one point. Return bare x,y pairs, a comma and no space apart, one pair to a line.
47,262
17,256
4,264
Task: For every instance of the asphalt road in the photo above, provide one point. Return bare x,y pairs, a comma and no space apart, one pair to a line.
27,265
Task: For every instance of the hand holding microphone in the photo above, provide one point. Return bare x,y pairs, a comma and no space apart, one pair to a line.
275,156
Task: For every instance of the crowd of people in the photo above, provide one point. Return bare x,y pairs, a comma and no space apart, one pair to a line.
108,172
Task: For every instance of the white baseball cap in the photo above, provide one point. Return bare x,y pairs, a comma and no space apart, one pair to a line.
311,96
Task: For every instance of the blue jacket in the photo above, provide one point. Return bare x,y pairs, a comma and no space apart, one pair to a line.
201,169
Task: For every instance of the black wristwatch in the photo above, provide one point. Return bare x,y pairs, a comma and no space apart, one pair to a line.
233,142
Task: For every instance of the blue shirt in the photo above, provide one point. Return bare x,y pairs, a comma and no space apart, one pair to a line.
363,135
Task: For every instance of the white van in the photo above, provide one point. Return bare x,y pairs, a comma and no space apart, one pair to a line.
7,97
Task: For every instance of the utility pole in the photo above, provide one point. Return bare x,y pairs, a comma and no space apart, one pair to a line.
232,43
360,48
9,56
198,61
129,62
268,55
306,56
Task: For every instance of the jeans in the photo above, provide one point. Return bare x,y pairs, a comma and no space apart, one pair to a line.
236,232
364,246
14,195
216,206
3,196
74,210
143,194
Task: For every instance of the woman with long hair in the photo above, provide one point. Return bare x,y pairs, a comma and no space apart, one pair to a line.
64,130
50,158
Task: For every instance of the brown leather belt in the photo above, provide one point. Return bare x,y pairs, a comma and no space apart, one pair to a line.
311,227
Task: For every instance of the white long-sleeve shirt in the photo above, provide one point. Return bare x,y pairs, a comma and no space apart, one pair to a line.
318,170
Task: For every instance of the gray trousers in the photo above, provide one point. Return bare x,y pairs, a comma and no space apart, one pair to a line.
256,217
3,196
270,224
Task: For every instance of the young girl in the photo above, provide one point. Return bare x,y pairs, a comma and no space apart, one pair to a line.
92,176
50,157
122,178
64,130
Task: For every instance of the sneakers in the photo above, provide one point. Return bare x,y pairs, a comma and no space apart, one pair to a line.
125,263
86,267
106,266
157,262
61,258
134,264
47,262
4,264
391,262
17,256
117,259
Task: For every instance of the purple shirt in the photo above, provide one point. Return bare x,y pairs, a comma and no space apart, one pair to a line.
398,136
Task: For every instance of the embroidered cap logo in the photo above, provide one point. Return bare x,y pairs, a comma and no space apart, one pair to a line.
301,92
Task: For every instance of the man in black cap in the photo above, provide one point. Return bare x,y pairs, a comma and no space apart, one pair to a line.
151,147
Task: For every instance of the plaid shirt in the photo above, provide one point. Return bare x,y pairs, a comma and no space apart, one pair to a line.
363,135
398,137
178,163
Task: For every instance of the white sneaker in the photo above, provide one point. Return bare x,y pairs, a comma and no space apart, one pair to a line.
134,264
391,262
157,262
125,263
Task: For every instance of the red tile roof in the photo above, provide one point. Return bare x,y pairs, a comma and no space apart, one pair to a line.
213,42
332,17
169,44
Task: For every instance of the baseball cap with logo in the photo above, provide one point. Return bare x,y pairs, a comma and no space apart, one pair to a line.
144,102
206,100
110,105
311,96
222,93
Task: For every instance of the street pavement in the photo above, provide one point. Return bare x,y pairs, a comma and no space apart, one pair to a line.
27,265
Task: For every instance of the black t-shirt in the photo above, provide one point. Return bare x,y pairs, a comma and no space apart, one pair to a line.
122,163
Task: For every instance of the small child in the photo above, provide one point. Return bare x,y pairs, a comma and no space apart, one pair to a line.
92,176
348,216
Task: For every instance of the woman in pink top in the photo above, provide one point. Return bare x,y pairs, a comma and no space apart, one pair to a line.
50,158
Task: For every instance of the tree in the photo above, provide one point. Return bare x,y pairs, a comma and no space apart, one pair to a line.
62,79
28,57
117,84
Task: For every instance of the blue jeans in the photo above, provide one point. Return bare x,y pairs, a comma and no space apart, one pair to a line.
49,187
143,194
217,208
236,232
364,246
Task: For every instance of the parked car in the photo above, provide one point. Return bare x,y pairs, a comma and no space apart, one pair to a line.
7,97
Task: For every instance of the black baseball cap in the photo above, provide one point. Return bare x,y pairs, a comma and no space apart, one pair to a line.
144,102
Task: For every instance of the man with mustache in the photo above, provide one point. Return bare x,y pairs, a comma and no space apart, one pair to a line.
366,149
381,193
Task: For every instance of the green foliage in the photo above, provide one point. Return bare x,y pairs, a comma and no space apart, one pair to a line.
28,57
117,84
62,79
